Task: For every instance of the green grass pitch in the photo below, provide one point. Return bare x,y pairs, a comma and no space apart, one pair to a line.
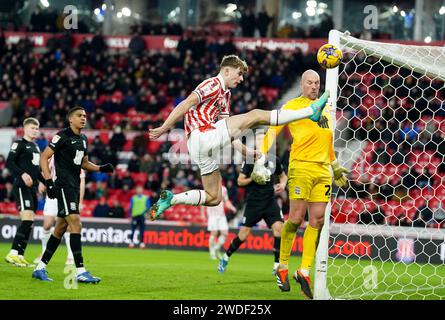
149,274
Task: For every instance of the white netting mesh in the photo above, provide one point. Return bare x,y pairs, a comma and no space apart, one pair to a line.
388,224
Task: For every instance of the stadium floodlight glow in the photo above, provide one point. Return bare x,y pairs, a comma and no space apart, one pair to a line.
320,10
104,6
402,13
442,10
322,5
395,9
44,3
311,3
97,11
427,39
126,11
231,7
119,14
310,11
296,15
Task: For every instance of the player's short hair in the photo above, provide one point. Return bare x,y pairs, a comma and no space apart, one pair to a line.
235,62
72,110
31,120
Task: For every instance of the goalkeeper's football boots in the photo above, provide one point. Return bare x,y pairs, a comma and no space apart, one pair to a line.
86,277
41,274
222,265
283,279
163,204
15,260
318,106
305,283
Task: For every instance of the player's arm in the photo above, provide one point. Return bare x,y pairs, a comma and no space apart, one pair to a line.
89,166
338,171
175,115
246,152
281,186
229,205
46,172
243,180
44,162
82,189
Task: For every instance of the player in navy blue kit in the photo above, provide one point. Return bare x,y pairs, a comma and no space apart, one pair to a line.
70,150
260,204
24,163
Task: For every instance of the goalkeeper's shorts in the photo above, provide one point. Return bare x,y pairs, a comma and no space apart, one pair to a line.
309,181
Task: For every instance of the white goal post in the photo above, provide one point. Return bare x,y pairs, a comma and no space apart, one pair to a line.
391,101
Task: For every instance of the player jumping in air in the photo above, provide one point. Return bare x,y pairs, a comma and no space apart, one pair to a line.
206,135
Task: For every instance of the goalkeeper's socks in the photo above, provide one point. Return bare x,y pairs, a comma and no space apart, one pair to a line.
192,197
288,234
280,117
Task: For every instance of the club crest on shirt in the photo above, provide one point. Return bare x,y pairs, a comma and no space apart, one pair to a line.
55,138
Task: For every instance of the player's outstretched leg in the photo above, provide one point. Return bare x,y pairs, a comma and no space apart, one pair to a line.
168,199
161,205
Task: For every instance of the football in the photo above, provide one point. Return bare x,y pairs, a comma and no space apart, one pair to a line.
329,56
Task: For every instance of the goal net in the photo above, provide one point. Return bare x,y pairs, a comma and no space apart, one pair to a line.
384,232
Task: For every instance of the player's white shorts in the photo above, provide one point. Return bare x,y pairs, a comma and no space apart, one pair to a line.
216,218
205,147
50,209
215,223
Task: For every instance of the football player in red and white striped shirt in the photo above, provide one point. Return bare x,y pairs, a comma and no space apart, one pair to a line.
209,128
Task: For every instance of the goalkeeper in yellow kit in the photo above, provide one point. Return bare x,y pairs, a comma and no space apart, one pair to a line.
309,183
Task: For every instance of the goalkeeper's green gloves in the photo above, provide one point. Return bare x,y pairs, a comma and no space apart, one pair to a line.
339,178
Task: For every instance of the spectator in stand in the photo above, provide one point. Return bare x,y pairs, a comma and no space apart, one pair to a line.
146,163
114,182
116,211
102,209
41,141
139,206
137,44
134,165
101,190
247,23
140,144
98,44
262,22
118,139
127,180
90,191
